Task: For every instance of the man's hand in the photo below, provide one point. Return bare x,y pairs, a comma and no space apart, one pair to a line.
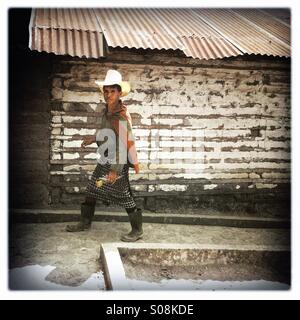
87,140
112,176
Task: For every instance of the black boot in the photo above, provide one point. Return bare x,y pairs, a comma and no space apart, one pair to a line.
136,233
87,213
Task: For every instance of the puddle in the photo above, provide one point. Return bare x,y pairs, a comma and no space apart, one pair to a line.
33,278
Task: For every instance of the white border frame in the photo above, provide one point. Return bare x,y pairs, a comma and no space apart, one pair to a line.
292,294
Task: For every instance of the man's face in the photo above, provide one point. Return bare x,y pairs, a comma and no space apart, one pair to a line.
111,95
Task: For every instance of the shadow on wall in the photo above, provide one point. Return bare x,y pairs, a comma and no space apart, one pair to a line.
28,116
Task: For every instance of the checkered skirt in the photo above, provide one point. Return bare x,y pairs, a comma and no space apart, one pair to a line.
118,193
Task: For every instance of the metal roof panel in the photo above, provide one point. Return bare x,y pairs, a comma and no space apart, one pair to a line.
199,33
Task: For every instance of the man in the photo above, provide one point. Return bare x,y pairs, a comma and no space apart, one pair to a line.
110,180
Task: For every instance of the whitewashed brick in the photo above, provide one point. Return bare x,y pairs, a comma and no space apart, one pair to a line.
278,133
55,156
253,175
91,156
276,175
151,188
142,143
175,155
55,143
79,168
79,96
71,155
170,122
141,132
72,144
142,155
151,176
69,119
146,122
139,188
138,176
171,187
74,167
179,143
210,186
82,132
211,176
56,131
60,173
265,186
56,119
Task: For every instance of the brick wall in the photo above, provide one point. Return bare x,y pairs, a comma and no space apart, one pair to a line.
209,133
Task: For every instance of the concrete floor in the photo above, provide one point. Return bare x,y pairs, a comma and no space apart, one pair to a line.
75,256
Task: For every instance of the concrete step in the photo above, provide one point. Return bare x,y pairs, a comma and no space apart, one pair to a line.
59,215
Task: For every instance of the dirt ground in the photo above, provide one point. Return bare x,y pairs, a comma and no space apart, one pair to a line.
76,255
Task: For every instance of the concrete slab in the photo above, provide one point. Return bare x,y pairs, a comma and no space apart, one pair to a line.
226,262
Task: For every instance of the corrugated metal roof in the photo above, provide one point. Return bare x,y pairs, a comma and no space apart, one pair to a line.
159,29
135,28
207,48
199,33
75,32
283,15
244,33
261,20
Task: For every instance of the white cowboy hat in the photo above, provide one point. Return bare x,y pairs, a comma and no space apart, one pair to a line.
114,77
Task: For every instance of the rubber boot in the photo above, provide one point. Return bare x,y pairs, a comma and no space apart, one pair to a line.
136,233
87,214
